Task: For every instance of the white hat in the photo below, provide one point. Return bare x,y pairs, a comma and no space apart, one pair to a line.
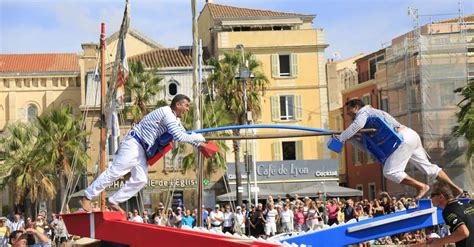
238,207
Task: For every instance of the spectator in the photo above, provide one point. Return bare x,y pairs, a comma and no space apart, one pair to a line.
205,217
171,218
216,217
17,224
239,221
257,222
228,220
378,209
179,217
313,217
332,209
270,220
27,238
188,219
287,217
458,216
4,231
146,219
160,218
348,210
136,217
60,231
299,219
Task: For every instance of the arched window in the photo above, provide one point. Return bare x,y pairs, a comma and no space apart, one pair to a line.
172,88
31,113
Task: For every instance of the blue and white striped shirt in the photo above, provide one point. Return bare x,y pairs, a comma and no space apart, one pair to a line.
159,121
361,119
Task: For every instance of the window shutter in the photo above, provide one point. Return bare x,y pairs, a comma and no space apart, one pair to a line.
275,65
299,150
276,150
275,102
298,108
294,65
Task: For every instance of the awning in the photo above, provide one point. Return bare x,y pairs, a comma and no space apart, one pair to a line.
262,194
329,190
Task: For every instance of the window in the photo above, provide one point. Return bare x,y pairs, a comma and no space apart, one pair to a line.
385,104
284,65
372,191
172,89
284,61
286,108
287,150
356,156
31,113
367,99
359,187
373,66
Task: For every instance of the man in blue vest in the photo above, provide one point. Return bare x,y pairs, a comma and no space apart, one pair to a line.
411,149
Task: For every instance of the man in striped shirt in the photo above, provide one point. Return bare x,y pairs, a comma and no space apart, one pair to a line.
132,154
411,149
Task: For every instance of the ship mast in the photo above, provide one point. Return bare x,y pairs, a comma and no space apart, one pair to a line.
103,125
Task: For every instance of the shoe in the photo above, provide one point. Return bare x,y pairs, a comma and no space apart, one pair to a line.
114,207
86,204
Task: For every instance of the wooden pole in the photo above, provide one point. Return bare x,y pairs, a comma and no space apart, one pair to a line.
197,113
103,126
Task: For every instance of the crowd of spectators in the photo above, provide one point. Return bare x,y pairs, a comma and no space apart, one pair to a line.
266,219
18,230
285,215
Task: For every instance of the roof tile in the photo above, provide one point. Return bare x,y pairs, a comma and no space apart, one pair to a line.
223,11
39,62
164,57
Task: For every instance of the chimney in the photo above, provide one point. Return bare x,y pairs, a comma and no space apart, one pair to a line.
209,1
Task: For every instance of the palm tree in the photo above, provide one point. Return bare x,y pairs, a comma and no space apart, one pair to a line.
62,142
230,90
466,117
214,114
30,180
143,86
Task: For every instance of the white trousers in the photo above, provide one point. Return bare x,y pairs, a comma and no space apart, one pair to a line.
130,158
411,150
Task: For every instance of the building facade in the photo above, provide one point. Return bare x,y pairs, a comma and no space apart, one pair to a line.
291,53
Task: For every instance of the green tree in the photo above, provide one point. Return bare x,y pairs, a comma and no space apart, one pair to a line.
214,114
62,142
28,178
230,89
143,85
465,117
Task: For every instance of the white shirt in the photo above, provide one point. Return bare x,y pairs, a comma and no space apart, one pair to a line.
286,216
214,216
361,119
271,214
228,216
15,226
159,121
239,219
137,218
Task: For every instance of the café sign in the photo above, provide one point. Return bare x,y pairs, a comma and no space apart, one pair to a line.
290,169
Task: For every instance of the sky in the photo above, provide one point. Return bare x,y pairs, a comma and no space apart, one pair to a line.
350,26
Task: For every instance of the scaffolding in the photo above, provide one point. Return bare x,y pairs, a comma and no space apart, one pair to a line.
423,68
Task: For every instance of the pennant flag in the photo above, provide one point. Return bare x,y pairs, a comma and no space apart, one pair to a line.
122,75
